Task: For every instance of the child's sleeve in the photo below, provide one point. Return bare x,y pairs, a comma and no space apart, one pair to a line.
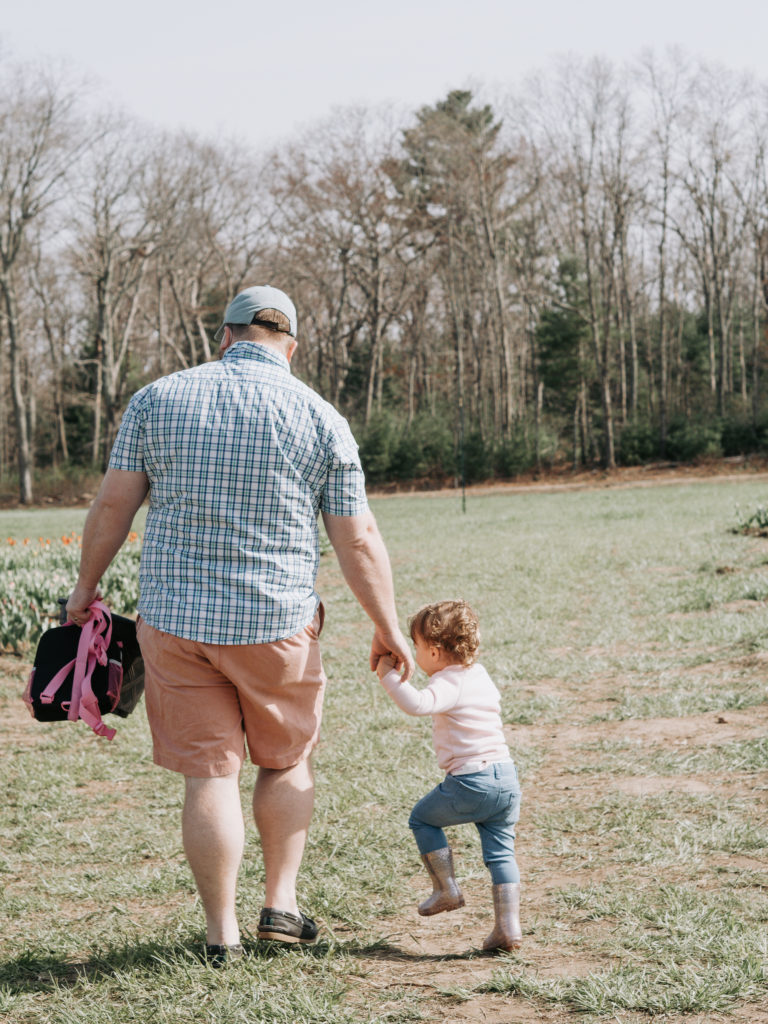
440,695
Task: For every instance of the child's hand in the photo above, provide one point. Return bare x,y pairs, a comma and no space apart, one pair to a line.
385,664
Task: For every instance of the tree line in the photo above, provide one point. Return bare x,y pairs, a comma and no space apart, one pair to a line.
576,271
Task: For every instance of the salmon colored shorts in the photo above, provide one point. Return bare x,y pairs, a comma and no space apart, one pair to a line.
205,701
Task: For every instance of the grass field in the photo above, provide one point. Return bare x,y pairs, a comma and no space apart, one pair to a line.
628,632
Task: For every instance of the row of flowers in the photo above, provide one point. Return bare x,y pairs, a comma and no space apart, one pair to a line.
67,539
36,574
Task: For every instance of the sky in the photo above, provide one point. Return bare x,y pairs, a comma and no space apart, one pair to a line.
262,73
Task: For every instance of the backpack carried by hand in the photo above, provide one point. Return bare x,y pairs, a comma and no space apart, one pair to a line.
86,672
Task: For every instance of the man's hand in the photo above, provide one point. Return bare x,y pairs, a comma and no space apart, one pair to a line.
395,647
78,605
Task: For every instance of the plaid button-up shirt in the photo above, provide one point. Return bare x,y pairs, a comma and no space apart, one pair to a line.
240,458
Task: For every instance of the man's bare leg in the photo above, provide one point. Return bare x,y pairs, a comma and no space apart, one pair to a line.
214,834
283,801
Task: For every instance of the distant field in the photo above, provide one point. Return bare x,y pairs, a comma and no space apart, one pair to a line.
628,632
46,522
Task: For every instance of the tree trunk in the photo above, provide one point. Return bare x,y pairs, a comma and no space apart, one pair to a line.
97,401
376,342
24,448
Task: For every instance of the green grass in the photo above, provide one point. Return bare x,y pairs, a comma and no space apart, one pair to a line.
668,695
631,758
676,950
596,608
49,522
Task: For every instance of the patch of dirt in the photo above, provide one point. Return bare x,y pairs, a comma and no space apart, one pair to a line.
15,733
644,786
741,607
710,727
751,1014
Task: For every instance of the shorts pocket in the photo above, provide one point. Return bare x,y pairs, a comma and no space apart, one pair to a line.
315,627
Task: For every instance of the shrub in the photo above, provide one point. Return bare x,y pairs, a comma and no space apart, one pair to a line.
512,456
517,454
378,442
738,436
752,522
425,449
688,440
478,458
639,443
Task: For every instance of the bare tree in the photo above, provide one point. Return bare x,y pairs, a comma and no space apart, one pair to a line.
211,212
114,241
666,85
582,126
57,300
343,243
712,223
41,139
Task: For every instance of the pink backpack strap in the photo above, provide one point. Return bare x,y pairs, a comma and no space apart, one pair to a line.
91,650
91,715
97,653
81,667
46,697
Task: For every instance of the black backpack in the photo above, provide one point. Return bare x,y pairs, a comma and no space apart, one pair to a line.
86,672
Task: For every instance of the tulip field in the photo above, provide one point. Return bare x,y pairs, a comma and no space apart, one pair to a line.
39,570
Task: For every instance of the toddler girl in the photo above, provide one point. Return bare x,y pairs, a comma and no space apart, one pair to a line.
481,782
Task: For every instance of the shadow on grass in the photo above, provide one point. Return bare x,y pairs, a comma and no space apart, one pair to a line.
38,970
43,970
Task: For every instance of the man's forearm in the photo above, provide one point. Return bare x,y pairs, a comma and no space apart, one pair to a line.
103,535
108,522
364,562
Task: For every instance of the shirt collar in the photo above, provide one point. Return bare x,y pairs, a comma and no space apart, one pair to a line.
253,350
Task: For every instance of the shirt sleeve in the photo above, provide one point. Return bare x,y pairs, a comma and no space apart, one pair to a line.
441,695
344,492
128,449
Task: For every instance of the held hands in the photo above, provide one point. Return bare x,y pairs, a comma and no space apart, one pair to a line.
393,649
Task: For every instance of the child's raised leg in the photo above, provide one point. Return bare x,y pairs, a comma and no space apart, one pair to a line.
446,894
426,821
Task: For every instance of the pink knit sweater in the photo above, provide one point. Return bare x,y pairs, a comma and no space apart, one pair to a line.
466,714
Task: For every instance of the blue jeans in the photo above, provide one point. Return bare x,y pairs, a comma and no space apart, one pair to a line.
490,799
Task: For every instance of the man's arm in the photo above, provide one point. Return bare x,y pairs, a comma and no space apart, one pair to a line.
365,564
106,527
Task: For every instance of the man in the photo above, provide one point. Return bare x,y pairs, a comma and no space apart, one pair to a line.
238,458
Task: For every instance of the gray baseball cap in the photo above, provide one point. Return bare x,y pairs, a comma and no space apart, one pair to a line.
244,307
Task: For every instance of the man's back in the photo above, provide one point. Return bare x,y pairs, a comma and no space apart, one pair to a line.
240,458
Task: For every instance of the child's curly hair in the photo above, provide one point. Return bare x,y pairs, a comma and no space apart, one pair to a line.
451,625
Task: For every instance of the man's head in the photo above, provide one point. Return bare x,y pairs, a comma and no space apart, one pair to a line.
245,308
